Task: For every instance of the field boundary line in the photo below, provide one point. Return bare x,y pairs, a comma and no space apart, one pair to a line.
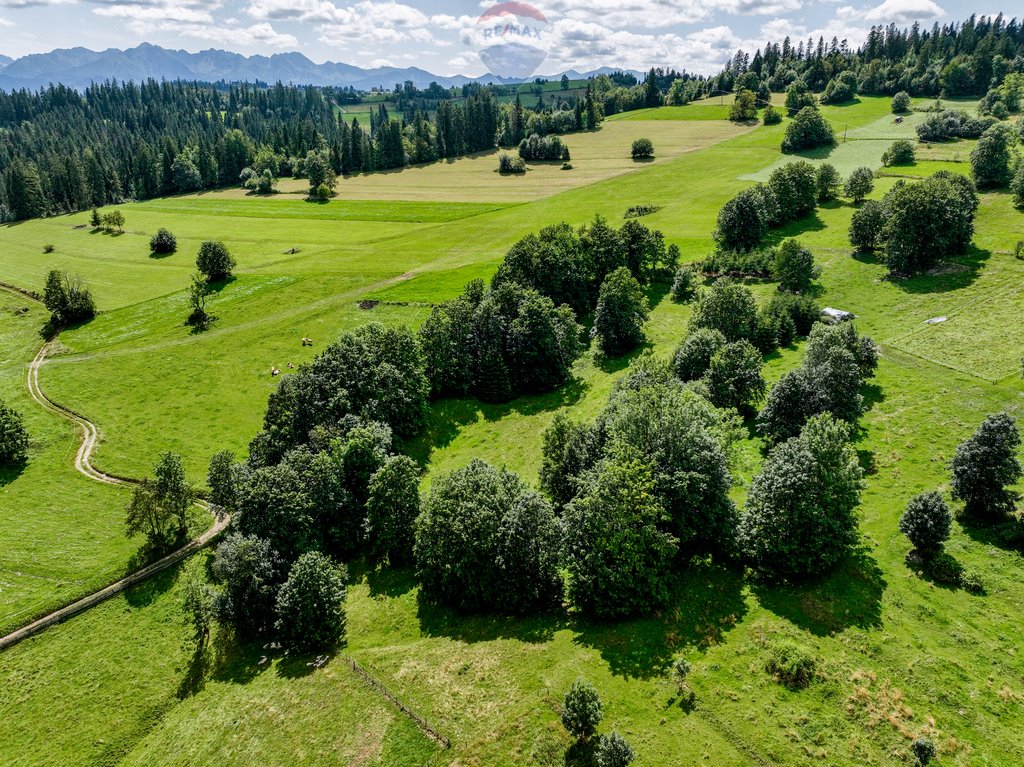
422,722
90,439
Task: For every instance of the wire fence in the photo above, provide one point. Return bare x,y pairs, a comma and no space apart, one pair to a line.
421,721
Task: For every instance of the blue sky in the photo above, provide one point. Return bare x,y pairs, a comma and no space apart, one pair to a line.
444,37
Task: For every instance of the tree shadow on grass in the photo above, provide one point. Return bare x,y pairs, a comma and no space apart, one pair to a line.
1006,533
11,472
439,621
194,679
811,223
954,274
389,581
707,602
851,596
147,592
448,417
656,293
621,362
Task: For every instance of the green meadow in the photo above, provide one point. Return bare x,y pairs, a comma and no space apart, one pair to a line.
898,655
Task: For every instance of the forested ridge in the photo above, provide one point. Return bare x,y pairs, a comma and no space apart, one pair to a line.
958,60
63,151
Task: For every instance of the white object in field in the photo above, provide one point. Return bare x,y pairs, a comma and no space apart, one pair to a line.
934,321
838,315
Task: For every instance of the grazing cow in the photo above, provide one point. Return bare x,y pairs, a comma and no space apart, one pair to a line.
275,371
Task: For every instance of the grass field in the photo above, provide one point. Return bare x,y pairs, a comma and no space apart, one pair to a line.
899,656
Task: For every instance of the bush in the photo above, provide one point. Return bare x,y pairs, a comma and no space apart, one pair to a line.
163,242
859,184
802,310
828,182
800,519
13,436
638,211
48,248
744,106
693,356
739,263
67,298
901,103
791,664
794,267
926,522
839,89
582,710
548,148
311,603
985,465
950,124
866,225
899,153
214,261
613,750
771,115
923,749
486,542
508,163
684,284
808,130
642,149
621,312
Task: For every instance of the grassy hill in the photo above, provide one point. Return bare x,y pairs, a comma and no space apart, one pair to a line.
898,655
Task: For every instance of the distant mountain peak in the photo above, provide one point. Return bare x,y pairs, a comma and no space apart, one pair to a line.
79,67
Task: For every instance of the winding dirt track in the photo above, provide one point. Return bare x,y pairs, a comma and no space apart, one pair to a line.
90,439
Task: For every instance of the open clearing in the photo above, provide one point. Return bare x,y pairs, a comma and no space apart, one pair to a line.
899,655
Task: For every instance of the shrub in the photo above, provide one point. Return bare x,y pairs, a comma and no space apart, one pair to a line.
866,225
859,184
621,312
739,263
214,261
985,465
808,130
771,115
950,124
693,356
311,603
926,522
684,284
508,163
486,542
582,710
13,436
642,149
48,248
791,664
899,153
923,749
828,182
794,267
613,750
901,103
163,242
67,298
802,310
734,377
839,89
800,519
637,211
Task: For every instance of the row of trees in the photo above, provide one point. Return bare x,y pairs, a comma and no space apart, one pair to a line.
962,60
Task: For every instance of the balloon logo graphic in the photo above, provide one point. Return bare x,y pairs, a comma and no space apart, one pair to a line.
513,39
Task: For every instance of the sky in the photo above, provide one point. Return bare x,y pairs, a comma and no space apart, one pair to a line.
446,37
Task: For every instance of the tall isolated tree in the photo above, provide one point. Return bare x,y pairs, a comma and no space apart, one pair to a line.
13,436
985,465
214,260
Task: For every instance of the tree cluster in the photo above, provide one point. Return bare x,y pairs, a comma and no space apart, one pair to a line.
917,225
67,298
547,148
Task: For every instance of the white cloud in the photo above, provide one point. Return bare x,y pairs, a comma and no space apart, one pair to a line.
32,3
156,13
904,11
841,27
5,22
255,36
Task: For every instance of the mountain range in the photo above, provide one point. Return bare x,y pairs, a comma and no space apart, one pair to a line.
78,67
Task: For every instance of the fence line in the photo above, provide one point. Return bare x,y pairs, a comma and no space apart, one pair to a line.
386,691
